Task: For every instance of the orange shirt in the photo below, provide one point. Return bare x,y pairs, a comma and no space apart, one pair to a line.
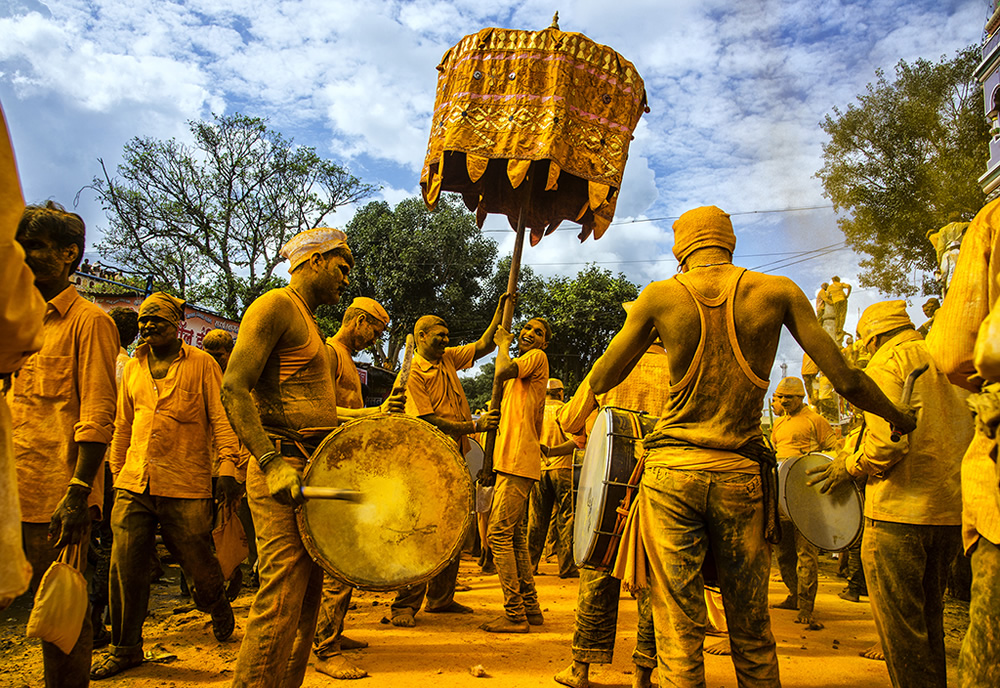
434,387
552,436
805,432
347,381
64,394
517,448
165,427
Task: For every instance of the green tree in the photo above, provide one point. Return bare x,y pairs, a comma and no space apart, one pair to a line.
906,159
585,312
478,388
416,262
208,220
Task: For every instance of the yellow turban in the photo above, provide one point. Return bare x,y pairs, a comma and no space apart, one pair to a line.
792,386
701,228
304,244
372,308
163,305
555,383
882,317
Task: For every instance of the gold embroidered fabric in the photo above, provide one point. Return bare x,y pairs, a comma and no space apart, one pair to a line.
550,106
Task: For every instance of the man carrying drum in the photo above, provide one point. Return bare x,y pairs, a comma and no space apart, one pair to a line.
518,463
707,468
281,360
363,323
436,396
798,431
913,503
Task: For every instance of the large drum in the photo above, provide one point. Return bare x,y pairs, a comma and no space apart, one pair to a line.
606,481
831,521
416,502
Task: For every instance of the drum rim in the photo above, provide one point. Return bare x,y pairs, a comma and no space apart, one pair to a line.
594,537
320,558
855,491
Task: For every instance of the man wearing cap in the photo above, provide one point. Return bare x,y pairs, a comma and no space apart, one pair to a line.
555,488
278,382
838,293
517,460
435,394
913,503
63,410
798,431
363,324
706,466
169,416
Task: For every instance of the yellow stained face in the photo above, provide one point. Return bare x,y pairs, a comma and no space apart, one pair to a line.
220,355
436,341
156,331
532,336
370,331
337,270
790,403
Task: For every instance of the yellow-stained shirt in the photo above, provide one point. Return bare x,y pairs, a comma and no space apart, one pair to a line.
552,436
165,427
518,451
803,433
917,479
836,292
434,388
347,381
63,395
972,292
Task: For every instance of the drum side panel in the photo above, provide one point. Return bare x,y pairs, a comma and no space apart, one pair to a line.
415,511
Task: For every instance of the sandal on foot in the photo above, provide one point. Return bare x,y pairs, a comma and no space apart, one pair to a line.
112,664
223,621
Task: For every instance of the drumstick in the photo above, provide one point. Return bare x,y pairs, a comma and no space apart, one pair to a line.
404,370
904,398
332,493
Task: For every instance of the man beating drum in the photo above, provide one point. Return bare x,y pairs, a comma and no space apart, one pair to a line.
278,382
436,395
707,469
798,431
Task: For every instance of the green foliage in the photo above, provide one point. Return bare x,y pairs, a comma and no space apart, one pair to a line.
415,262
903,160
208,220
479,387
585,312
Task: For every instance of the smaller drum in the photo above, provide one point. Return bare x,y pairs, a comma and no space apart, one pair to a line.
831,521
416,508
474,458
613,449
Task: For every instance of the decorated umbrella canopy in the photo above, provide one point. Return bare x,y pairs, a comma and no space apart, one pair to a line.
534,125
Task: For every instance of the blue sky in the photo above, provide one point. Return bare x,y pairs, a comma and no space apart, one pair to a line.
736,92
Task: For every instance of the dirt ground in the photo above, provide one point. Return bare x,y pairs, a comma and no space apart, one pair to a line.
442,648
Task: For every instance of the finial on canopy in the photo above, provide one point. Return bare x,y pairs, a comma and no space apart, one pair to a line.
555,21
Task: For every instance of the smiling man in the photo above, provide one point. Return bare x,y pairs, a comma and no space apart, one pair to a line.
169,416
63,411
278,382
518,463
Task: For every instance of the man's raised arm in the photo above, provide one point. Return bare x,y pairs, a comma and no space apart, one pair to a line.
627,347
485,344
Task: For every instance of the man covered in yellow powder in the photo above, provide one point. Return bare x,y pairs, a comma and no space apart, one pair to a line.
971,299
517,461
363,324
798,431
707,470
913,503
278,382
435,394
169,417
839,292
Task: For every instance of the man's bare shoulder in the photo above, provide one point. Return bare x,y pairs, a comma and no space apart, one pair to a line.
274,306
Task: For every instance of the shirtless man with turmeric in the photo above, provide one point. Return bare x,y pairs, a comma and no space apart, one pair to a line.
706,466
278,382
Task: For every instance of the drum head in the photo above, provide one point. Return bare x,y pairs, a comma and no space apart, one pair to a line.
474,458
415,511
590,492
831,521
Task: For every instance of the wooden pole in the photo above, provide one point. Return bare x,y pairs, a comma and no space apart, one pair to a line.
505,322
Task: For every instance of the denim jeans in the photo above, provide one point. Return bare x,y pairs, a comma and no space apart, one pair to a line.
906,567
554,489
335,600
61,670
798,561
439,591
282,622
597,621
979,662
186,526
683,513
507,536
